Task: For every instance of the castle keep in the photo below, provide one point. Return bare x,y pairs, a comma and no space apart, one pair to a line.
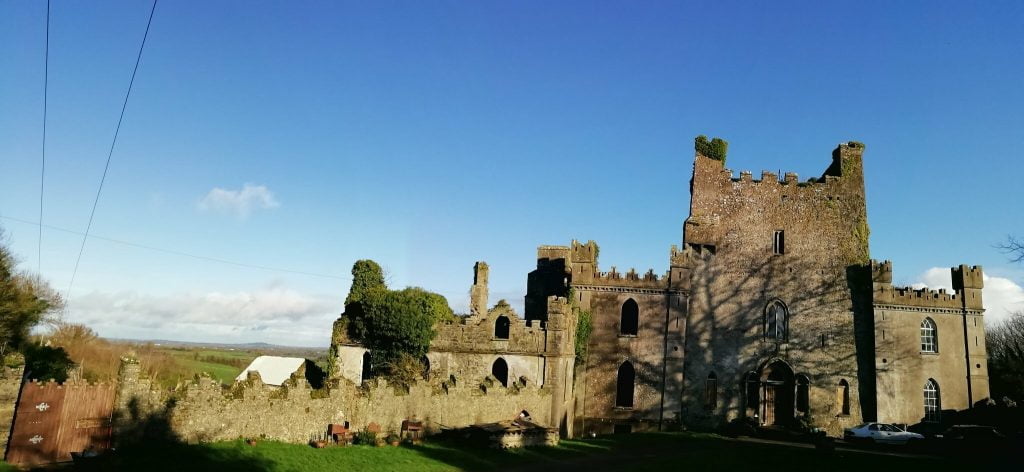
771,309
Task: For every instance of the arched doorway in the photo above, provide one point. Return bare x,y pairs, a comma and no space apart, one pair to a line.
500,371
777,394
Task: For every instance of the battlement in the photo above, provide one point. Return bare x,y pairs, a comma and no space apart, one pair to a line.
881,272
963,277
584,252
967,277
631,278
889,295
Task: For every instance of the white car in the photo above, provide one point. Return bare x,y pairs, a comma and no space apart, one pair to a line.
881,433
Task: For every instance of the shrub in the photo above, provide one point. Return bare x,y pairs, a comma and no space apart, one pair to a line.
715,149
366,437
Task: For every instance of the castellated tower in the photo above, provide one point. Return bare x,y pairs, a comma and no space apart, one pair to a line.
773,317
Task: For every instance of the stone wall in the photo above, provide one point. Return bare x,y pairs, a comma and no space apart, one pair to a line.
203,410
12,369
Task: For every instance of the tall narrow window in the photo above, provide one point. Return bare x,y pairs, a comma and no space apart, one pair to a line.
779,242
367,370
929,336
711,392
843,397
802,393
753,390
776,321
629,322
624,385
932,402
501,327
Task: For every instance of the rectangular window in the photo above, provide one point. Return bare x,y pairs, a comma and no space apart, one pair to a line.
779,242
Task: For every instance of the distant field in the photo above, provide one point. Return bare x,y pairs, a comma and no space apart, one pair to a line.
223,365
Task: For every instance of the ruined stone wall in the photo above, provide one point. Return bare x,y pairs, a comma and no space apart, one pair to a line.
903,367
203,410
12,369
732,224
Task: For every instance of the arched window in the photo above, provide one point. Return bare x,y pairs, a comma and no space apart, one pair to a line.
929,336
803,385
843,397
630,320
624,386
367,370
500,371
932,402
501,327
711,392
776,321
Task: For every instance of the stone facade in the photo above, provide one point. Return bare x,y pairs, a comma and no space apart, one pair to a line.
769,311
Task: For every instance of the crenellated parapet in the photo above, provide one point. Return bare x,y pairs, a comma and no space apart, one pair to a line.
967,283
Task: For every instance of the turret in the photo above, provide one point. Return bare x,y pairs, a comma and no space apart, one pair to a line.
478,293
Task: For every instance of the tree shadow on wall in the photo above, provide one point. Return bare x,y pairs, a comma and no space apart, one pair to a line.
145,440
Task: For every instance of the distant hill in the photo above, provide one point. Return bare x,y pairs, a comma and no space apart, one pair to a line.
298,351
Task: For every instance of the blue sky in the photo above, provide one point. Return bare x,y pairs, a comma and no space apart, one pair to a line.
429,135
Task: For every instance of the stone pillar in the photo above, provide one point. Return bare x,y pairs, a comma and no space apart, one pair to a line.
12,371
560,357
478,294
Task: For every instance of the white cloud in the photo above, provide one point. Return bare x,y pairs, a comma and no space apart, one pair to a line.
275,315
239,202
1001,296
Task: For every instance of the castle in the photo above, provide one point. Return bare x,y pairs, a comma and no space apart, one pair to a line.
770,310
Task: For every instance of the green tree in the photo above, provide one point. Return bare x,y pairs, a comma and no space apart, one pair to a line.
25,302
401,322
367,279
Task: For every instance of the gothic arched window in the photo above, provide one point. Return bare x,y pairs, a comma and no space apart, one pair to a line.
929,336
629,322
500,371
932,401
776,321
624,385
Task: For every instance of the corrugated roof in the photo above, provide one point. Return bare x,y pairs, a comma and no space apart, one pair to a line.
273,369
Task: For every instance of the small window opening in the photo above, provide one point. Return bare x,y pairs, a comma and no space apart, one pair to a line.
501,327
500,371
779,242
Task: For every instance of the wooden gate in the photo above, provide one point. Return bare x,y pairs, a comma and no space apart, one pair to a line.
53,420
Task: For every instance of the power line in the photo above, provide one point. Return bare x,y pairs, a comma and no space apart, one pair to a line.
42,172
178,253
106,167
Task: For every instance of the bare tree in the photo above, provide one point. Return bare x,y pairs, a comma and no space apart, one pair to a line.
1014,248
1005,345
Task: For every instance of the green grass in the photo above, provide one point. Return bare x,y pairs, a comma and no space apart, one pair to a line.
5,467
653,451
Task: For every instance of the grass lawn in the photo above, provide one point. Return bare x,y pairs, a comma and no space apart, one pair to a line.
652,451
4,467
